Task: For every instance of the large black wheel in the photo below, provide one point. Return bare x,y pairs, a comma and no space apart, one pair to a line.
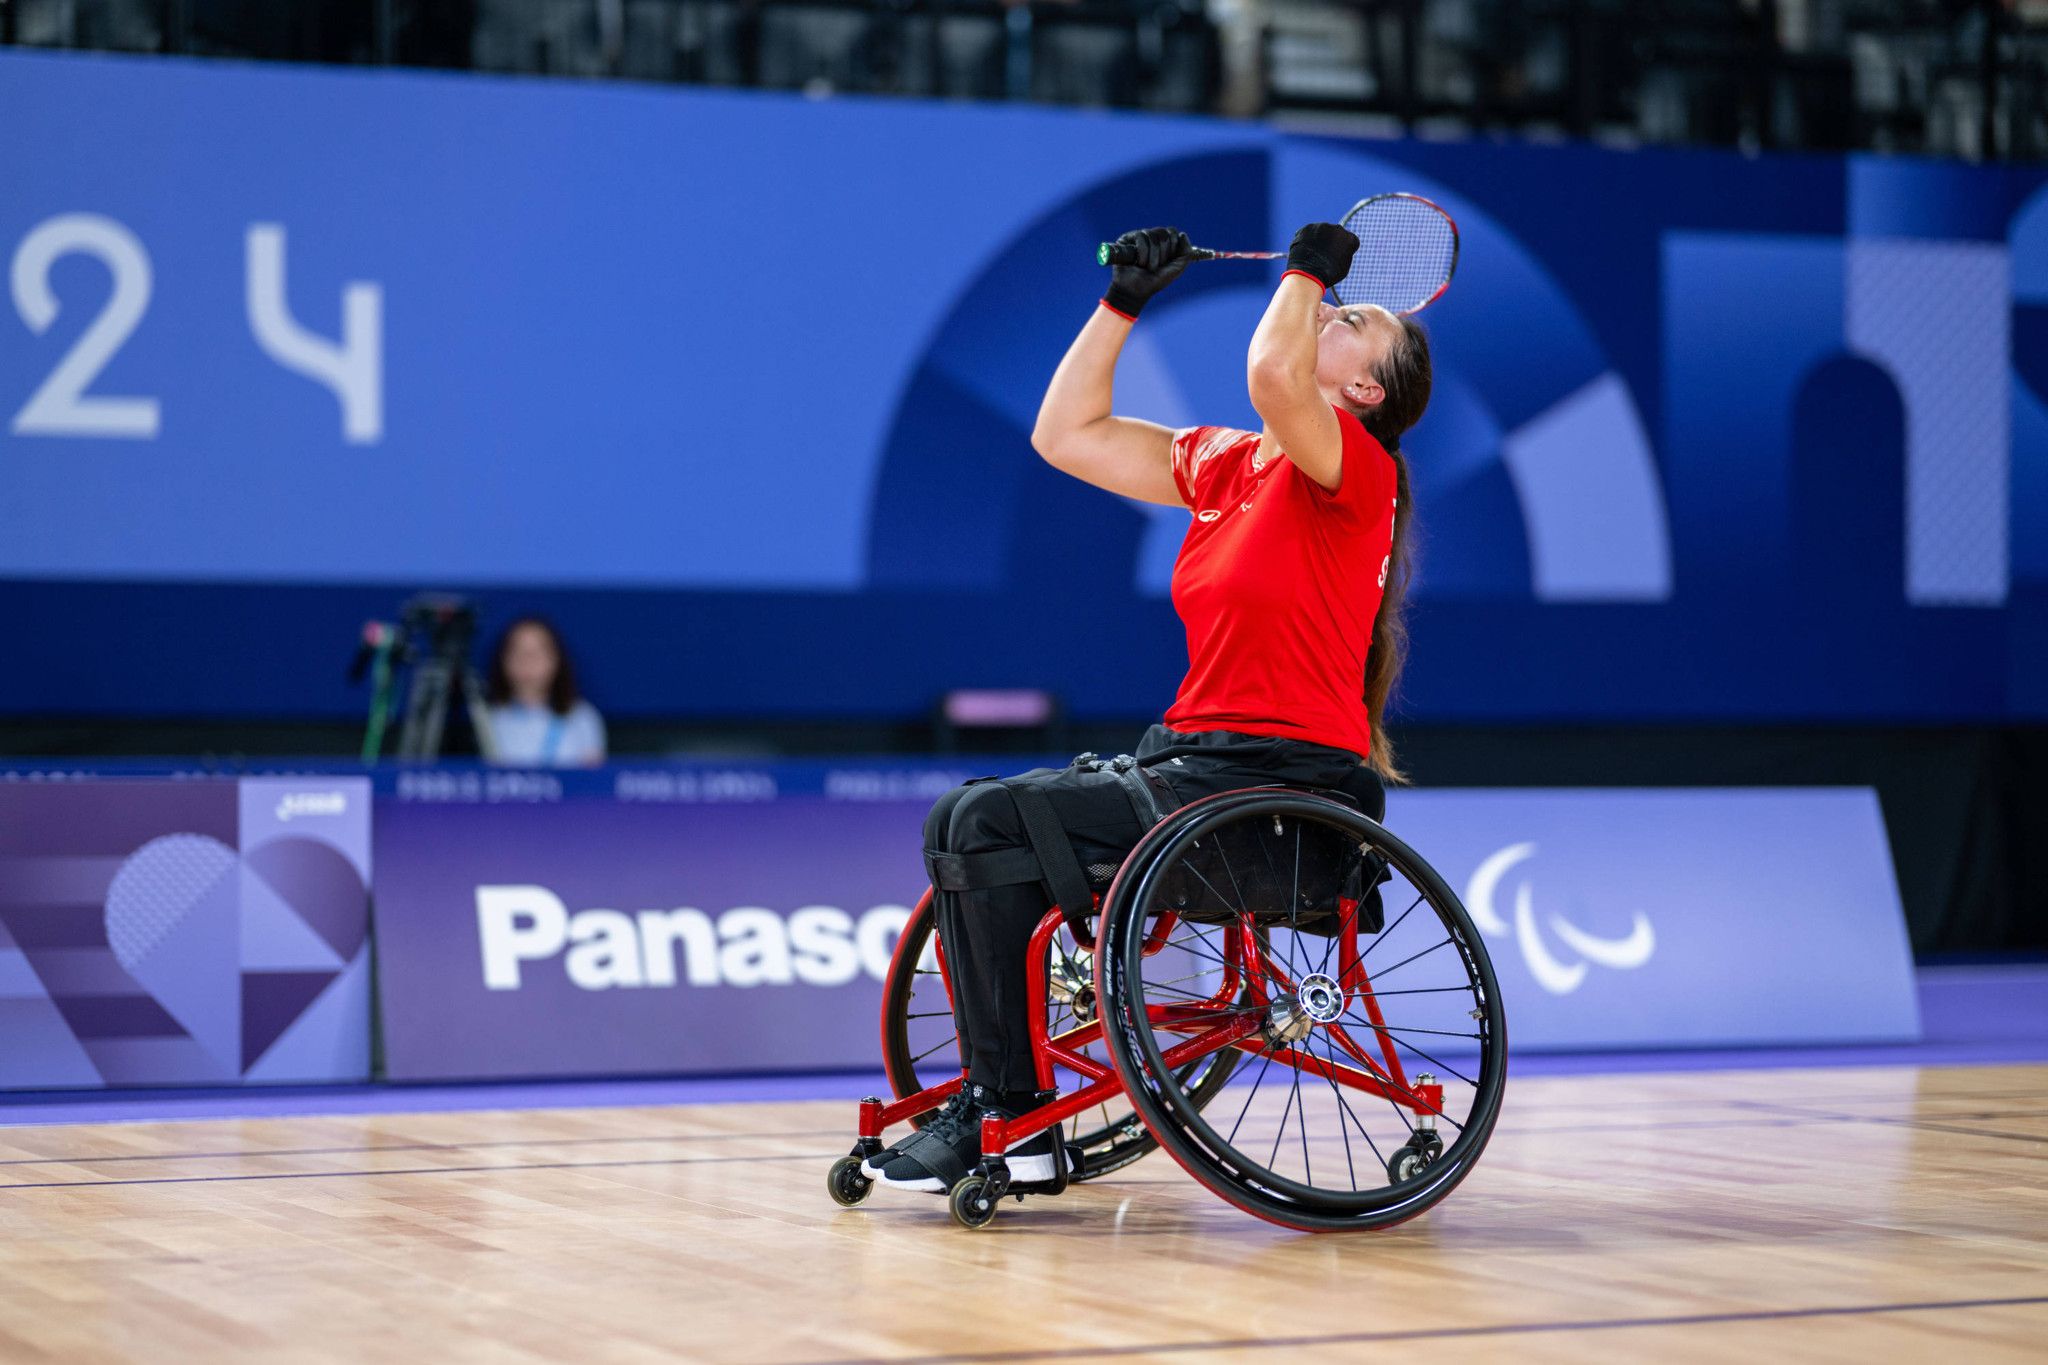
921,1045
1226,928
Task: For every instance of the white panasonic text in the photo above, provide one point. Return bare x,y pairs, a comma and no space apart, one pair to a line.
748,945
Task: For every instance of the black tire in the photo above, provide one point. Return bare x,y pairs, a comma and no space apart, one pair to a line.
918,1032
1171,869
845,1183
915,992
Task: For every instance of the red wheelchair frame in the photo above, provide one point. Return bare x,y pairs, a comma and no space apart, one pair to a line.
1219,1022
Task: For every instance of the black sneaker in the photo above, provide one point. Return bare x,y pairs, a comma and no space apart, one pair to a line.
946,1124
1031,1161
937,1156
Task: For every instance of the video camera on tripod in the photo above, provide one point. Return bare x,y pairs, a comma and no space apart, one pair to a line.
432,638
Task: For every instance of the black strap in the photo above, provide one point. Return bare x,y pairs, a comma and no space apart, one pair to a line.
1143,789
936,1155
980,871
1062,870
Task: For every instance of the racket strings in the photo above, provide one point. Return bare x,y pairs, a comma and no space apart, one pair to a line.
1407,249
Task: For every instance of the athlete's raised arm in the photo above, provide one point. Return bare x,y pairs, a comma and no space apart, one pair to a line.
1077,431
1281,368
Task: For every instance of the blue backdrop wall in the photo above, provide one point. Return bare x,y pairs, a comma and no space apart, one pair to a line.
738,386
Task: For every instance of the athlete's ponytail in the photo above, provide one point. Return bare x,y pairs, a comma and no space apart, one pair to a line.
1407,377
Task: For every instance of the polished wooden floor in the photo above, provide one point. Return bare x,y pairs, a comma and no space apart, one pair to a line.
1867,1215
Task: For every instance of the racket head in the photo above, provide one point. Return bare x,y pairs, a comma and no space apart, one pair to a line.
1407,253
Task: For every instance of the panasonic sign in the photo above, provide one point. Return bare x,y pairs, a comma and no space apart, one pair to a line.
818,945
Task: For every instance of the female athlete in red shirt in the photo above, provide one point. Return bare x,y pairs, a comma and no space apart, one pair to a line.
1289,583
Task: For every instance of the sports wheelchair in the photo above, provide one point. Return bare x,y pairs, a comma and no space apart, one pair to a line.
1240,995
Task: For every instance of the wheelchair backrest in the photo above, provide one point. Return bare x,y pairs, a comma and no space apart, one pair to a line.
1285,870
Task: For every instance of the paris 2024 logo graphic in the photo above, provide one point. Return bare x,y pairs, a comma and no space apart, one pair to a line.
1552,972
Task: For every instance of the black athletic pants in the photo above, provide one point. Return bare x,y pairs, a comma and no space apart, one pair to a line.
987,933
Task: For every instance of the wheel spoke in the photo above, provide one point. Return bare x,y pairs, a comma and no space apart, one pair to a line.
1416,990
1401,1114
1294,904
1383,935
1345,922
1386,972
1435,1062
1182,998
1406,1028
1301,1117
1280,1129
1256,1080
1231,872
1200,945
1330,1050
1196,976
954,1040
1196,998
1202,936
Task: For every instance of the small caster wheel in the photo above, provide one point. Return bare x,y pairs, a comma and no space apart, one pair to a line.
846,1183
1412,1157
970,1202
1405,1164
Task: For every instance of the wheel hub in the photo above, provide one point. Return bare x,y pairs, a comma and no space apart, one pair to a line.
1317,1000
1069,983
1322,999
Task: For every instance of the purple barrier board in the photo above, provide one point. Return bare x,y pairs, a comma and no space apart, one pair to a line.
598,938
1678,918
198,932
742,921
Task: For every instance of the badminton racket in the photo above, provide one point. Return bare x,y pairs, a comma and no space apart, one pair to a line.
1407,253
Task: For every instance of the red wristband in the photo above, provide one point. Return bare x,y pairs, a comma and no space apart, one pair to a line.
1305,275
1127,317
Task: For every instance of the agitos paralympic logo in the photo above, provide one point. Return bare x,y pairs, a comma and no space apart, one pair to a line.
1552,973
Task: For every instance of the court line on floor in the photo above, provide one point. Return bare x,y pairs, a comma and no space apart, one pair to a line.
407,1170
1774,1116
1442,1333
1933,1123
394,1147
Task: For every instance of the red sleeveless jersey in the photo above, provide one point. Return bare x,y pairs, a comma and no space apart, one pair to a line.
1278,582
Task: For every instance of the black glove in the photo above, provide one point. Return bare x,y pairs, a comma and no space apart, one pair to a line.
1162,253
1323,250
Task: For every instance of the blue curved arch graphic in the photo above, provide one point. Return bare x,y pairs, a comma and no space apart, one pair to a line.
961,502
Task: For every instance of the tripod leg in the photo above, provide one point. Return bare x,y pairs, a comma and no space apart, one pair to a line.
426,711
479,716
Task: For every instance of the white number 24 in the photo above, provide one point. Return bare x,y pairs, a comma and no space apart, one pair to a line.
352,370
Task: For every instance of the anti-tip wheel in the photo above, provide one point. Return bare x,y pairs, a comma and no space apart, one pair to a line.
1412,1157
970,1202
846,1184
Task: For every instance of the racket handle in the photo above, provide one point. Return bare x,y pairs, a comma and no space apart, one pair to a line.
1111,253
